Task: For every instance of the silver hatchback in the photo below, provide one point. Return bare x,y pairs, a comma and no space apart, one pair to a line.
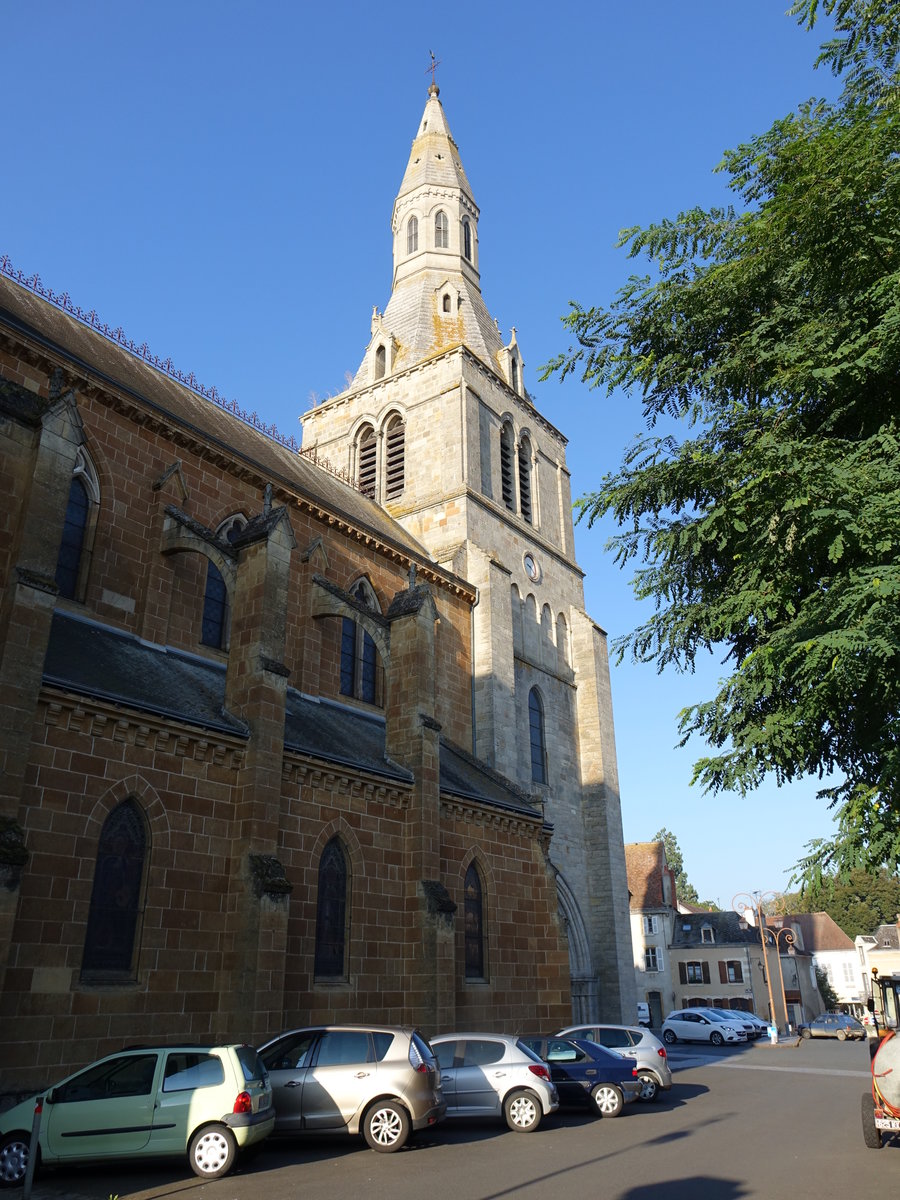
645,1048
494,1075
379,1080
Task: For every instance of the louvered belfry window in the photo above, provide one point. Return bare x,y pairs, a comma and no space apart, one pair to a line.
507,482
395,446
367,447
525,479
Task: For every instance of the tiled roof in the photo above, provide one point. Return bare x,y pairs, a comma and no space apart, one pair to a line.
818,932
644,862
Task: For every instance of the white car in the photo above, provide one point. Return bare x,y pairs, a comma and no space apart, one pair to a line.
696,1025
494,1075
640,1044
755,1026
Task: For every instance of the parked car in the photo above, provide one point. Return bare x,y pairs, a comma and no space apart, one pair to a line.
739,1018
380,1080
587,1073
206,1102
761,1026
494,1075
836,1025
694,1025
645,1048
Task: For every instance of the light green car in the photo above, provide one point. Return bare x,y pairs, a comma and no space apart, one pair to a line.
206,1102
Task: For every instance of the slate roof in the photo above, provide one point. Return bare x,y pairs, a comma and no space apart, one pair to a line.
91,659
728,929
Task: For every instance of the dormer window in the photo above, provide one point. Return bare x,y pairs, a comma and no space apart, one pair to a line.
467,240
412,235
441,231
706,934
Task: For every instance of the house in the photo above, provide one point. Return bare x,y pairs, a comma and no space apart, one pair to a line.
652,902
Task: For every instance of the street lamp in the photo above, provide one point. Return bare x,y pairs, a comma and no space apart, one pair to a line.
753,901
786,933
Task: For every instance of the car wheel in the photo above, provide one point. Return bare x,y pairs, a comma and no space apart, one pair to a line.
522,1111
386,1126
13,1159
649,1086
804,1033
212,1152
871,1134
608,1100
669,1037
842,1035
716,1038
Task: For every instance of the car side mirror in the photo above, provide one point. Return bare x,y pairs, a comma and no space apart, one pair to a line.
50,1097
870,1004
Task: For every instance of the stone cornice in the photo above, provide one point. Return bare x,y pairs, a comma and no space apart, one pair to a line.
455,807
305,771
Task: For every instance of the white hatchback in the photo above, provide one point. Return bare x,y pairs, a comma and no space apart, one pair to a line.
695,1025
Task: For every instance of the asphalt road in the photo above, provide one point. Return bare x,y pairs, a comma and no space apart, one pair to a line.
757,1121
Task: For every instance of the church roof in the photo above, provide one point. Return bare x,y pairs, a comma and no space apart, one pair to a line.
100,359
91,659
434,160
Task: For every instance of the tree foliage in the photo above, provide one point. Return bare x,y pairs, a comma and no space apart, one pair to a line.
684,890
767,525
858,903
826,991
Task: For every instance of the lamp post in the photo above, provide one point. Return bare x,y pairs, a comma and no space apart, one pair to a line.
786,933
754,902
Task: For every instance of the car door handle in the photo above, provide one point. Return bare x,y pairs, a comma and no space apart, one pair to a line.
361,1075
294,1083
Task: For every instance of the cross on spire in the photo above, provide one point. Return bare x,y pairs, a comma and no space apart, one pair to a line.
435,63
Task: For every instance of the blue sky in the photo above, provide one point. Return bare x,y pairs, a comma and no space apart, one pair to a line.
218,180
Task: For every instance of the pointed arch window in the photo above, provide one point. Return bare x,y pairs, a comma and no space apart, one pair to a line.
536,735
215,628
366,448
362,675
78,529
380,362
473,911
445,303
113,925
412,235
331,913
525,479
441,230
467,240
507,482
395,457
514,370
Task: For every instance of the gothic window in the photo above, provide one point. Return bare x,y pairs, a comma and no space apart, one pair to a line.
412,235
78,529
474,919
514,368
525,479
467,240
507,481
362,676
536,731
331,913
445,303
562,642
216,626
366,461
395,457
441,230
516,603
380,361
117,895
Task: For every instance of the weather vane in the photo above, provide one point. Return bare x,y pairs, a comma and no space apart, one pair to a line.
435,63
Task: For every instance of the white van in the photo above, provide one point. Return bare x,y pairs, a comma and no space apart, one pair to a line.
643,1013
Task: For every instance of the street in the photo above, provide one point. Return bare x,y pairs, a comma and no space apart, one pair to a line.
752,1121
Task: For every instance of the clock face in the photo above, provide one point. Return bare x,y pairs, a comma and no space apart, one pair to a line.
531,568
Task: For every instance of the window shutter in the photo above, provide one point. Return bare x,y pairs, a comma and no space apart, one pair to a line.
682,972
723,972
705,969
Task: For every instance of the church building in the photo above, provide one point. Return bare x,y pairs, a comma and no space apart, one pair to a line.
297,734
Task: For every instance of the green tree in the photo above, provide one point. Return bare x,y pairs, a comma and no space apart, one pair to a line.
826,991
761,506
858,903
675,860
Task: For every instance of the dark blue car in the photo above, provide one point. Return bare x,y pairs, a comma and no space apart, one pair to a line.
587,1073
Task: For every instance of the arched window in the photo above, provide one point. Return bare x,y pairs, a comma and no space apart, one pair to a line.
78,529
467,240
548,650
362,675
514,370
380,362
216,626
445,304
536,732
507,482
366,461
331,913
441,230
117,895
474,919
412,235
395,457
516,602
562,642
525,479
